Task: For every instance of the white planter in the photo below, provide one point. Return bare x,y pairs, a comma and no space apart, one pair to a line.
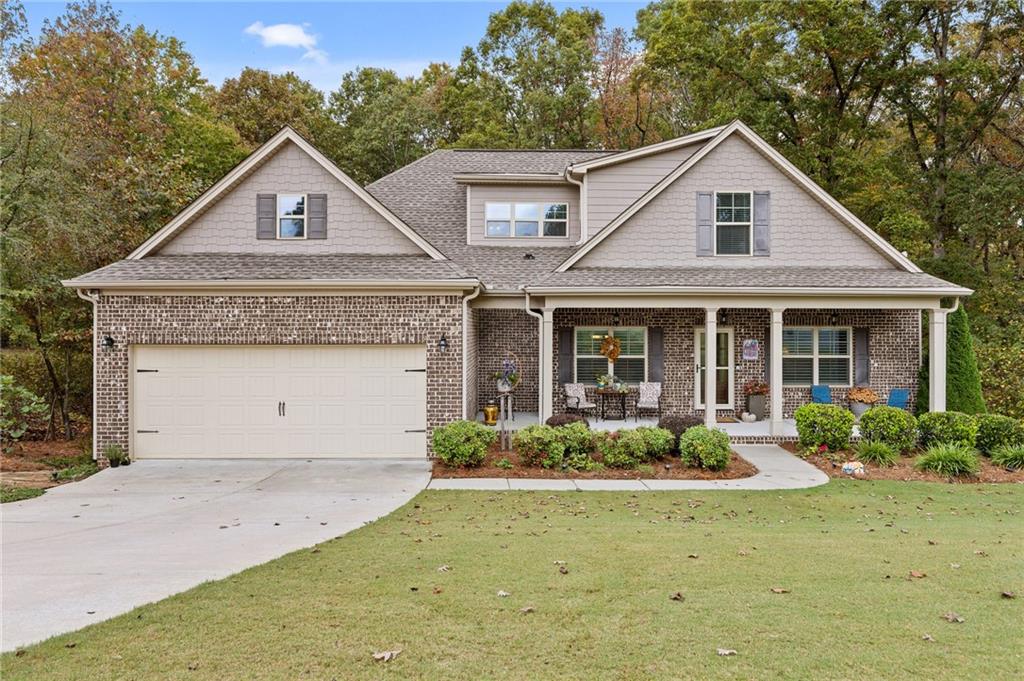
858,408
504,386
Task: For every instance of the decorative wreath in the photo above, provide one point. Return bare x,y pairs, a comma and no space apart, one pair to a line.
611,348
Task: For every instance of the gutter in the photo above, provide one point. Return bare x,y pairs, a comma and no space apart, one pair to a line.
583,204
263,284
93,298
465,358
729,290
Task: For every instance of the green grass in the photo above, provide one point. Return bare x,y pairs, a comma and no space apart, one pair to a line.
844,551
8,494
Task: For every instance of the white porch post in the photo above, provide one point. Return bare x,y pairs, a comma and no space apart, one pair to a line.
775,346
937,360
710,365
547,364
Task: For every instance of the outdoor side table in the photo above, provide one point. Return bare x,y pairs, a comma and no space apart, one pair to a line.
619,396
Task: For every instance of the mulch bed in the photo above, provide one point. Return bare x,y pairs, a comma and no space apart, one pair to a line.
904,469
670,468
21,464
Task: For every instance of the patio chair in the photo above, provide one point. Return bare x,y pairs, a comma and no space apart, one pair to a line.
821,394
648,398
576,398
898,397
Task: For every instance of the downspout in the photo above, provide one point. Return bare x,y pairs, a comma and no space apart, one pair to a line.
465,353
540,348
583,205
92,298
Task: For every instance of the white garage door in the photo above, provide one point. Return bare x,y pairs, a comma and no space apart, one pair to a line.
297,401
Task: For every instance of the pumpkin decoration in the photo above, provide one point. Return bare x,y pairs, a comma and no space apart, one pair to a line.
611,348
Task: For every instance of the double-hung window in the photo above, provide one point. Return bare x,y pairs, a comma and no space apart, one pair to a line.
817,356
630,367
526,219
291,216
733,223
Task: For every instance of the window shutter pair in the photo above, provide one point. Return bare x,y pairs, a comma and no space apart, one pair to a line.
655,355
706,224
266,216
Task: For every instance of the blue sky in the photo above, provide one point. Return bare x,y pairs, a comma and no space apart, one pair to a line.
320,41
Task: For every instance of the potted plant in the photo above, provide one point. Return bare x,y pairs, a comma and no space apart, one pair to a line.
757,398
115,455
508,376
606,381
861,400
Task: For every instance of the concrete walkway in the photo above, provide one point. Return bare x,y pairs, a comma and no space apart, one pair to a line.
777,469
87,551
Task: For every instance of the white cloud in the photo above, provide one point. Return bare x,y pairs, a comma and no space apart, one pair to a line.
289,35
326,75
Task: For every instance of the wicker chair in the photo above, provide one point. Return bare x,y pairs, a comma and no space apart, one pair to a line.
648,398
576,398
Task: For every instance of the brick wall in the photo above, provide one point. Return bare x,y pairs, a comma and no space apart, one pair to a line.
275,320
499,332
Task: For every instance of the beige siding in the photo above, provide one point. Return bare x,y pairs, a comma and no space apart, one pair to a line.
612,189
481,194
803,232
229,226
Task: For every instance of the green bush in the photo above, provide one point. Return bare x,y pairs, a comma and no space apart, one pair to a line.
947,427
565,419
875,452
577,438
539,446
700,446
660,442
623,449
995,431
824,424
891,426
463,443
19,406
949,459
1009,456
677,425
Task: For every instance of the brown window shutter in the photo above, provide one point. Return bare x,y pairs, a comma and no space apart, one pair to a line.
861,356
566,356
266,216
317,216
655,354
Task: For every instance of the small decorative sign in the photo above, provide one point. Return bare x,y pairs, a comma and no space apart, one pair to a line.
751,349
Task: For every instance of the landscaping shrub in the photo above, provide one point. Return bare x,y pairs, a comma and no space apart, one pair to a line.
677,425
19,406
890,426
565,419
577,439
963,379
539,446
623,449
949,459
947,427
1009,456
463,443
660,442
700,446
824,424
995,431
876,452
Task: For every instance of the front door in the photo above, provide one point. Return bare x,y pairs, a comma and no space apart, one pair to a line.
723,369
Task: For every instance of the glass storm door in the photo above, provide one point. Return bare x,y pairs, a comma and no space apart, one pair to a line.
723,369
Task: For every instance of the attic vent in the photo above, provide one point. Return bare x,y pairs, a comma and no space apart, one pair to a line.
528,256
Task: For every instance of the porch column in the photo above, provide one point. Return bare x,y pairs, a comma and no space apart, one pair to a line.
775,362
710,365
937,360
547,364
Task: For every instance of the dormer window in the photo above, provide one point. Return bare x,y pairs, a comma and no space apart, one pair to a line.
733,223
291,216
527,220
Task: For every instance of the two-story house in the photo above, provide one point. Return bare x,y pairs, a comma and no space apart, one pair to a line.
289,312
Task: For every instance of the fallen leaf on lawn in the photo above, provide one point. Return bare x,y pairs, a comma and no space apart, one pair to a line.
693,555
678,596
564,570
19,653
438,589
70,645
503,594
917,575
192,666
980,553
932,542
955,566
387,655
1009,594
559,562
724,652
927,637
953,617
779,590
414,588
528,609
443,568
742,553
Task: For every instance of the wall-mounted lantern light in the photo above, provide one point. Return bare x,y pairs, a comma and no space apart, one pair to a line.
616,319
442,344
722,317
108,343
833,319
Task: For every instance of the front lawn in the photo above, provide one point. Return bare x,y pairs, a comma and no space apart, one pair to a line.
869,570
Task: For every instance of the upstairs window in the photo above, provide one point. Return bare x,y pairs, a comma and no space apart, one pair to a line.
291,216
526,220
733,223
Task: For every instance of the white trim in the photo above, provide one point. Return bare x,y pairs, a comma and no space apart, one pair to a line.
509,178
749,224
469,214
466,414
823,197
698,331
756,290
93,298
278,217
286,134
610,330
640,152
815,355
512,219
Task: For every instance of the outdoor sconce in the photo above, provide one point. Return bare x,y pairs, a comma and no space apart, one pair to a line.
108,343
442,344
833,319
616,320
722,317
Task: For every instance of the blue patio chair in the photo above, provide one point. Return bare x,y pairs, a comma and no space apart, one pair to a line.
898,398
821,394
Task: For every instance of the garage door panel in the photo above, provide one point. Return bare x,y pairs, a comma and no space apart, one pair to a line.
223,401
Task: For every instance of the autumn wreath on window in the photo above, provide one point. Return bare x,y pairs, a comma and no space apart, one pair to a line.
611,347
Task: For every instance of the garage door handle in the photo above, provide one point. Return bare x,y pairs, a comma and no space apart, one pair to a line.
147,431
147,371
417,431
415,371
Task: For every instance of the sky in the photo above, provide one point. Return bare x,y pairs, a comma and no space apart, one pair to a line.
320,41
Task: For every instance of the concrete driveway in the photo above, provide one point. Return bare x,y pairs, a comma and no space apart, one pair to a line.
88,551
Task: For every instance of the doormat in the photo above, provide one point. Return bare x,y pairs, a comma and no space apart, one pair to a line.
726,419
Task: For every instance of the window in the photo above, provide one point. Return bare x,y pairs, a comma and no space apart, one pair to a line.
291,216
526,219
733,223
630,367
817,356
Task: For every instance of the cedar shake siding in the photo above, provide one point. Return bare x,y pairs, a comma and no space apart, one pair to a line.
275,320
893,348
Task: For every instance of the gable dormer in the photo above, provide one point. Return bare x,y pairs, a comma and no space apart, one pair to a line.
520,209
